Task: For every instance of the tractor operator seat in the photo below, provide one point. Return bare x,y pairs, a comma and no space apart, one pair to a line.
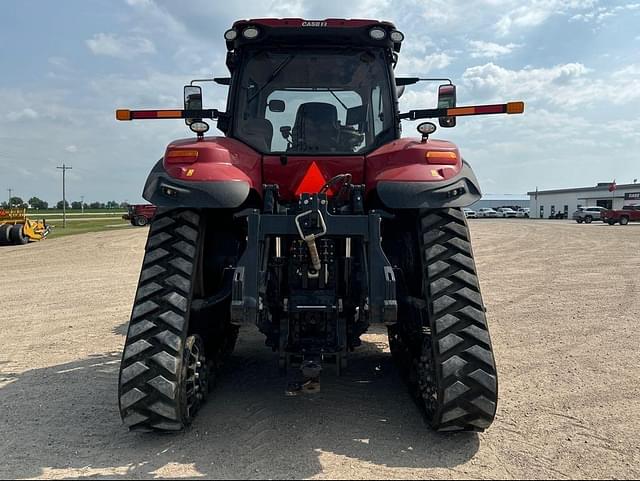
316,127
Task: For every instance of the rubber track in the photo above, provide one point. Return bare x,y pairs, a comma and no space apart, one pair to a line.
458,351
151,369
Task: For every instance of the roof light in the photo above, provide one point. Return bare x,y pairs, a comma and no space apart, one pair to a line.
427,128
396,36
250,33
377,33
199,127
230,35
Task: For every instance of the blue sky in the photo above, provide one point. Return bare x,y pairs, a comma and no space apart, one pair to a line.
67,65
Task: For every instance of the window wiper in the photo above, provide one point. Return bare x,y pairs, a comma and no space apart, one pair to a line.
336,97
273,76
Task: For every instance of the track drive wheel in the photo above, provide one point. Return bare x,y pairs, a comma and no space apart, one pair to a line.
164,373
442,340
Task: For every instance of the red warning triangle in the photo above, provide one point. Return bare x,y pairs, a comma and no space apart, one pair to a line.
312,181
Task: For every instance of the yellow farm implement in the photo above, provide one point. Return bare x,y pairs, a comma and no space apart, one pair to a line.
17,229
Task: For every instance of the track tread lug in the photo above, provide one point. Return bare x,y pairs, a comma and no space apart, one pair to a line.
155,255
136,349
454,391
165,386
140,327
170,340
449,342
133,371
131,397
167,361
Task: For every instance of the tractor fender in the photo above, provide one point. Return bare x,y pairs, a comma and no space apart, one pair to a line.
163,190
215,172
460,190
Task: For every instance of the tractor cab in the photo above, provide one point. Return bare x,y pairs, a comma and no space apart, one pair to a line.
312,88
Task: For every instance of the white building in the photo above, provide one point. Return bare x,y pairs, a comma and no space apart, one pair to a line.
547,202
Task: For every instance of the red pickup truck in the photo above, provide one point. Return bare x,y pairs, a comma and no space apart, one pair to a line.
140,214
629,213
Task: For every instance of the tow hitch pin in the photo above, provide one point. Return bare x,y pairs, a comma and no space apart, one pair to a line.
310,239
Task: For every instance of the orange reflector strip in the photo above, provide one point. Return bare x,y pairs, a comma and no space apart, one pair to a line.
123,114
169,114
462,111
172,154
515,107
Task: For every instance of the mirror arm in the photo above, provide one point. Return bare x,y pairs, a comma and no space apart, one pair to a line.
508,108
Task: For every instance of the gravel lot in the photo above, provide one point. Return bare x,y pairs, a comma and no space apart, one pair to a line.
564,312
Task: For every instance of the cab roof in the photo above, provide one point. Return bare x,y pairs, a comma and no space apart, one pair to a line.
301,32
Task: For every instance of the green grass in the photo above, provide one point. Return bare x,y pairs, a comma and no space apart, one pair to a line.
54,213
84,226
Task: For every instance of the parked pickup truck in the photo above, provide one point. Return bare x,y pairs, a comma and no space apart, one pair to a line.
140,214
628,213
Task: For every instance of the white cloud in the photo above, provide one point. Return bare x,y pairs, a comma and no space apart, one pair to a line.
120,47
598,15
24,114
567,85
537,12
480,48
71,148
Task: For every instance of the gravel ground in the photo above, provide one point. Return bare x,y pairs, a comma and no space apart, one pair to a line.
563,308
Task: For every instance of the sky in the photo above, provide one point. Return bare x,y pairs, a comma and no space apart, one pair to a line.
67,65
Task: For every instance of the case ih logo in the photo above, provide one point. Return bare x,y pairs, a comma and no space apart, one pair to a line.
632,196
314,24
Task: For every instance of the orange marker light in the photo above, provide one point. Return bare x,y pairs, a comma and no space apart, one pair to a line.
184,156
123,114
515,107
438,157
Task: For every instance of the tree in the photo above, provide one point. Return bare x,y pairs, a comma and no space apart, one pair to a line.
96,205
124,205
59,205
17,202
112,204
36,203
76,204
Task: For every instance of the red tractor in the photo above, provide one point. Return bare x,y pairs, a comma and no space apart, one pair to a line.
140,214
312,219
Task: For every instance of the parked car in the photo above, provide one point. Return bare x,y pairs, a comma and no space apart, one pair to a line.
487,212
505,212
629,213
559,215
469,213
588,214
523,212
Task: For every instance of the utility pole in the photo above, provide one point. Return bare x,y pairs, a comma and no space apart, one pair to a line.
9,203
82,203
64,169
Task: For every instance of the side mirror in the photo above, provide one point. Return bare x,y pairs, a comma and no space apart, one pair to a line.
192,100
447,100
276,106
356,115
